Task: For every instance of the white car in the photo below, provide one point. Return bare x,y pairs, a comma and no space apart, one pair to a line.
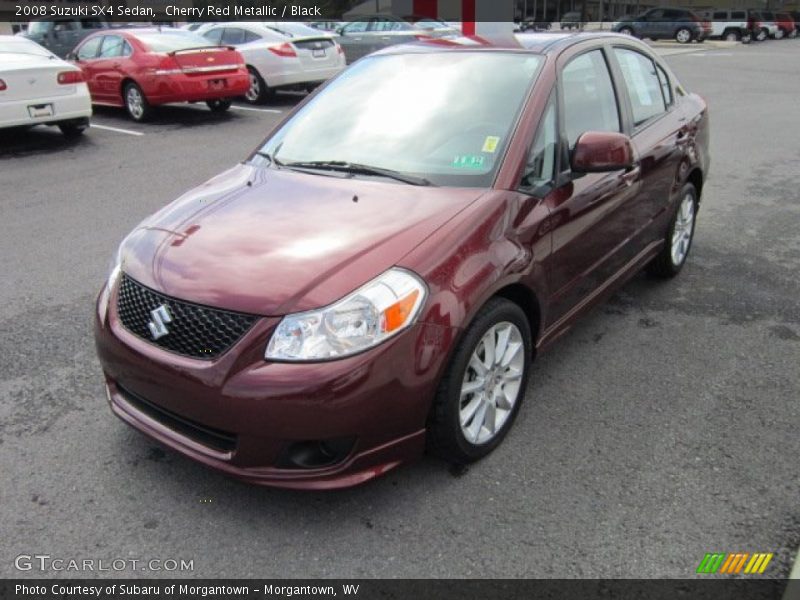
280,55
37,87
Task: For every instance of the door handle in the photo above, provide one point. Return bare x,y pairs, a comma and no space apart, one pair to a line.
631,175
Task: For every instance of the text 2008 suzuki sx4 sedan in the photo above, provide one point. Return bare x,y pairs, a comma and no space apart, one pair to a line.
377,277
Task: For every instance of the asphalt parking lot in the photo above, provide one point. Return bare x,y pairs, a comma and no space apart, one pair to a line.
664,426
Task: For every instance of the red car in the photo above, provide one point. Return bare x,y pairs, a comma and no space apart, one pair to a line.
378,276
142,68
786,24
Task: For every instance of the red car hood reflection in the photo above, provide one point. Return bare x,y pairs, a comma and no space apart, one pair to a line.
270,242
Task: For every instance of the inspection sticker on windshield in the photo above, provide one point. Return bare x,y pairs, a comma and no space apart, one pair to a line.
468,161
490,143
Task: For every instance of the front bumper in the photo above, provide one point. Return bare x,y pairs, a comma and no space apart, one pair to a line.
380,399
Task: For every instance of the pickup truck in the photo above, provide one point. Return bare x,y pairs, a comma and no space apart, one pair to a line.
60,36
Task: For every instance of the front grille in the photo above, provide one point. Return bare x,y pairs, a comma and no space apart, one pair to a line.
215,439
196,331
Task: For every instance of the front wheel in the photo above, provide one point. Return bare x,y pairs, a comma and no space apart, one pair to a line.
779,34
484,384
683,35
136,103
219,106
626,31
732,36
679,236
762,35
747,38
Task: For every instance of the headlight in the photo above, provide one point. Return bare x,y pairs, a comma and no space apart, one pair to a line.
372,314
115,266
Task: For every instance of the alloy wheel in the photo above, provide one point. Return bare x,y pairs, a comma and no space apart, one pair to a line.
684,36
492,382
135,102
254,92
682,232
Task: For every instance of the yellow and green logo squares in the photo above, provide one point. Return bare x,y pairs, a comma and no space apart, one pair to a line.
735,563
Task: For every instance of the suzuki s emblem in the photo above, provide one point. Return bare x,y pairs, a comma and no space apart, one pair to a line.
158,326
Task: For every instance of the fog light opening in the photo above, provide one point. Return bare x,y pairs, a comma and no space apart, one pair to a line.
316,454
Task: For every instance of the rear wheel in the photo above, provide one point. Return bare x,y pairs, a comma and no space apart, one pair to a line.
626,31
683,35
731,36
762,34
679,236
219,106
747,37
136,103
779,34
72,130
484,384
258,92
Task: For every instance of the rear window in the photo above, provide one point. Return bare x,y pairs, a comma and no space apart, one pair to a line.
171,42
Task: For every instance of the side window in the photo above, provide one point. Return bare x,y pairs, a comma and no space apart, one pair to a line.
127,50
233,36
721,16
112,46
738,15
589,100
666,88
65,26
89,49
214,36
249,36
642,83
540,168
356,27
655,15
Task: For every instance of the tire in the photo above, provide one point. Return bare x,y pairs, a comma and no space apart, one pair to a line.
219,106
731,36
446,433
136,103
72,130
683,35
259,92
747,38
762,35
626,31
668,263
793,34
779,34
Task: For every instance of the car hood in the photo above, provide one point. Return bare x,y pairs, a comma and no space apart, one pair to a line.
270,242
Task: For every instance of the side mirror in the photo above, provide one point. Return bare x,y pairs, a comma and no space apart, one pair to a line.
71,56
602,151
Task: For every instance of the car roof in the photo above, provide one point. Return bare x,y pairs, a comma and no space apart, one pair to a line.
537,43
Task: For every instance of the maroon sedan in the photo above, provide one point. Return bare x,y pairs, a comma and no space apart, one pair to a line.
142,68
378,276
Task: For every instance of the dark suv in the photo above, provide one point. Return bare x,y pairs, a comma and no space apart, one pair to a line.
679,24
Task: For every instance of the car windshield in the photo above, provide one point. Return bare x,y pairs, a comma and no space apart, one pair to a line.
37,27
22,46
171,41
445,116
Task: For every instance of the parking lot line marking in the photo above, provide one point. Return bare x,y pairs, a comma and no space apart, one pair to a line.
267,110
117,129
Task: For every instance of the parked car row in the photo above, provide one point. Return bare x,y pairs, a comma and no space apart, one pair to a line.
685,25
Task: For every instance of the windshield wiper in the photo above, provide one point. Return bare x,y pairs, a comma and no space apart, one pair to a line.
356,169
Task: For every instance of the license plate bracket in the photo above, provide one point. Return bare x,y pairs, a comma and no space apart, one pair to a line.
318,52
40,110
